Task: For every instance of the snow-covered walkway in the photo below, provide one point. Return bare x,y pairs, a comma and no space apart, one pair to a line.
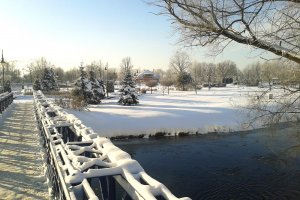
21,164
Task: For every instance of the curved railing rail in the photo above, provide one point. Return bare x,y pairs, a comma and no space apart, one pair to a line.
84,165
6,99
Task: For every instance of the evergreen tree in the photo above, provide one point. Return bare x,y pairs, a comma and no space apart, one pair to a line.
110,86
102,86
83,86
48,80
37,85
184,79
7,86
88,89
97,89
128,95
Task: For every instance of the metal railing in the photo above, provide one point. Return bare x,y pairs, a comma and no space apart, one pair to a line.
6,99
84,165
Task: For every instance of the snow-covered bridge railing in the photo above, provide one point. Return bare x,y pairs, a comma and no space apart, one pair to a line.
6,99
84,165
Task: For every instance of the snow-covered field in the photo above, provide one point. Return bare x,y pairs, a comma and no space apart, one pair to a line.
208,111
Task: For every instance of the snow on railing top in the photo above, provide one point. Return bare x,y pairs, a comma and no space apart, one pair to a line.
4,95
76,167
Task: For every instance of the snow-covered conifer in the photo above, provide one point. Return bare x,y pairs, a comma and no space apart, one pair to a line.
100,81
128,95
37,85
83,87
48,81
97,89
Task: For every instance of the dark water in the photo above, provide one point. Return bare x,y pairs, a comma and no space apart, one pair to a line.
262,164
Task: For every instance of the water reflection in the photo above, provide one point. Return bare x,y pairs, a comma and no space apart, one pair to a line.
262,164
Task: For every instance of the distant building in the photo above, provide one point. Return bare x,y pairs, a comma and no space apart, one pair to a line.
147,75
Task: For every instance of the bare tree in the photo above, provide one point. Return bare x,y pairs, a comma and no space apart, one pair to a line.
12,74
197,72
225,69
159,72
167,80
37,67
151,84
72,75
289,75
280,104
268,73
59,73
210,73
125,66
269,25
98,67
252,74
180,62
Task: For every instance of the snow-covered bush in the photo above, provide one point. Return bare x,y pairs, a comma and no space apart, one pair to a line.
128,95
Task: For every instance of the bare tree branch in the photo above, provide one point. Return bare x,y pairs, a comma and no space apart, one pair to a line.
271,25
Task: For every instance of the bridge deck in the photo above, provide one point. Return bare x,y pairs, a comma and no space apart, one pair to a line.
21,166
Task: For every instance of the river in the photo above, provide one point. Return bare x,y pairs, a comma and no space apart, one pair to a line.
260,164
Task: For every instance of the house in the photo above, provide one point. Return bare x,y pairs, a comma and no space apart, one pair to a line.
146,76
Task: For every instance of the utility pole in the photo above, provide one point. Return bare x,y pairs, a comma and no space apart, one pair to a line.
195,80
2,63
106,68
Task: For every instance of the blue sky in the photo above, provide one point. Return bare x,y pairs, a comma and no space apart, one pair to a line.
67,32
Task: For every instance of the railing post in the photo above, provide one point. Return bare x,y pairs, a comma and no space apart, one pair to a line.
111,188
2,106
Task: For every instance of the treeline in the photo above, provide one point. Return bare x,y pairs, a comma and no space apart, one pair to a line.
35,70
271,72
184,74
181,72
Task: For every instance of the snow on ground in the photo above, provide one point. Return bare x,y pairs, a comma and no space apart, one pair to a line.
208,111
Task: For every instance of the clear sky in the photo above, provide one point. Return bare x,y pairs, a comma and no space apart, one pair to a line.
67,32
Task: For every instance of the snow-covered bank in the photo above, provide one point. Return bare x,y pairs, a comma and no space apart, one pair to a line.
209,111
